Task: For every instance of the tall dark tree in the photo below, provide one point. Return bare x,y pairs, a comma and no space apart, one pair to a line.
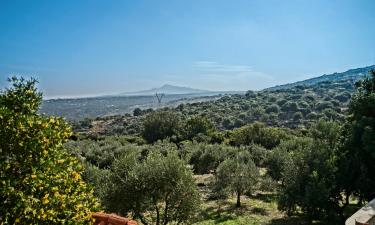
309,178
357,162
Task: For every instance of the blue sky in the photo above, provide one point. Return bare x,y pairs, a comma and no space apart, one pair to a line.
88,47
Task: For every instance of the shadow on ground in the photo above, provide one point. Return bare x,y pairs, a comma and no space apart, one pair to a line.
294,220
225,211
265,197
289,221
260,211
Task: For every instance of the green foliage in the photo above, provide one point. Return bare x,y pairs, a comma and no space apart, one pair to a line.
158,189
324,105
250,94
40,182
357,163
237,174
258,133
137,112
297,116
159,125
258,153
281,156
316,170
205,158
198,125
98,178
290,106
282,107
273,109
100,153
309,180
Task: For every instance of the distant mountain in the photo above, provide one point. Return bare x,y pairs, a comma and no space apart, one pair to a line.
352,74
167,89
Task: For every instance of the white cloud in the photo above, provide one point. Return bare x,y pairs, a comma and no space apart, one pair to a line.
215,76
211,68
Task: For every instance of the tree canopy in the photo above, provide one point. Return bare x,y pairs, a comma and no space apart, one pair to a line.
357,164
40,182
237,174
158,189
160,125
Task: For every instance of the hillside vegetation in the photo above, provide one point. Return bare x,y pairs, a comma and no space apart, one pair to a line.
296,106
299,155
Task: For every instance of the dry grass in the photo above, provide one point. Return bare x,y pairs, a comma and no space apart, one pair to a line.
260,208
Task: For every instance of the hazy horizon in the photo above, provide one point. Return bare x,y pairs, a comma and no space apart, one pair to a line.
91,48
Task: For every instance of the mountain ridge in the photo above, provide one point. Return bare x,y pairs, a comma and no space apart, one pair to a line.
351,74
166,89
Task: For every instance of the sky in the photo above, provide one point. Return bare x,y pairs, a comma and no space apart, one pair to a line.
93,47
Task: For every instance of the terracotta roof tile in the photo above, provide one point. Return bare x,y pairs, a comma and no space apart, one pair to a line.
111,219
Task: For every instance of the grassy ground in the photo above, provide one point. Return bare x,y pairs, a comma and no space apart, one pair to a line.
259,209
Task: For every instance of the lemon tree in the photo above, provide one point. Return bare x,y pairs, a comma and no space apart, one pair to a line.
40,182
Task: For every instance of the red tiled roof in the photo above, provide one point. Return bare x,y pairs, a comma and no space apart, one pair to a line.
111,219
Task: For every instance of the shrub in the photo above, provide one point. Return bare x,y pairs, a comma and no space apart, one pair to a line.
297,116
205,157
137,112
290,107
281,156
343,97
281,102
250,94
198,125
273,109
323,105
160,125
257,133
312,116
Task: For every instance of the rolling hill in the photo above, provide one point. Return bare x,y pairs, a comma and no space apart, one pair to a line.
292,105
233,110
352,74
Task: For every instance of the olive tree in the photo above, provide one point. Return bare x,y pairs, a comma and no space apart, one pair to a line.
258,133
158,189
159,125
205,158
198,125
309,178
236,175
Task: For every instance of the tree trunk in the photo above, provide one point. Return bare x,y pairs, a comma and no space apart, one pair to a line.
238,200
140,216
157,216
157,211
166,220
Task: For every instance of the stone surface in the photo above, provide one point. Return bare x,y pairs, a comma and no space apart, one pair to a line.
364,216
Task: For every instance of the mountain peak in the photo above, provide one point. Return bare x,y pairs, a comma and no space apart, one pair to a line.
168,89
168,85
